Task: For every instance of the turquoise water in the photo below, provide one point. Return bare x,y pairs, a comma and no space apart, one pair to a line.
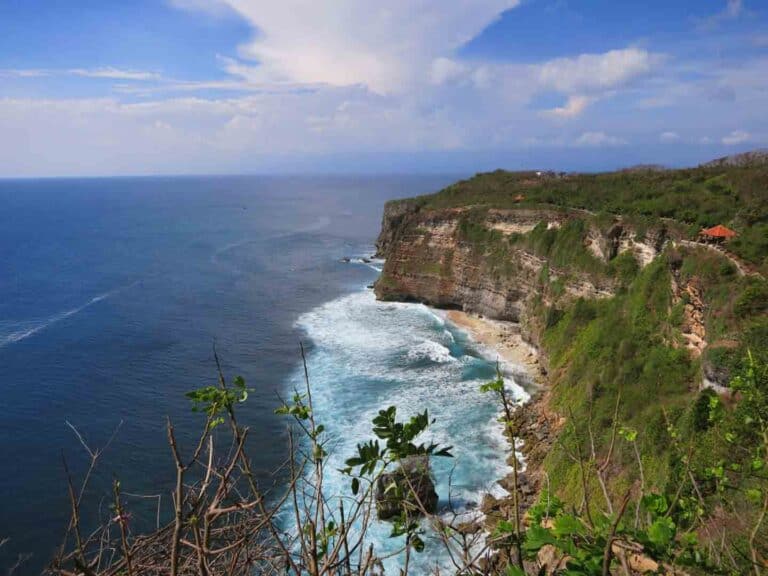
367,355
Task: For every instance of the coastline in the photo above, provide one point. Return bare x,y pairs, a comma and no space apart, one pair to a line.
534,425
505,340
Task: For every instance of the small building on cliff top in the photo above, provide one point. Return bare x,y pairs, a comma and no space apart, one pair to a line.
716,235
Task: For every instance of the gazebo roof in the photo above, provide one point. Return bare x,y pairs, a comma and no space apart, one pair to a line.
718,231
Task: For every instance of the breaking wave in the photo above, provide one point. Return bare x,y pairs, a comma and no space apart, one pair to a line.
366,355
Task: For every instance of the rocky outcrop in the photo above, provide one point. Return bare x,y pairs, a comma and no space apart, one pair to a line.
523,220
408,489
693,332
621,238
693,329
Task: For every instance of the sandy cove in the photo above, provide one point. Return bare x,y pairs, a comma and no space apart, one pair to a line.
502,338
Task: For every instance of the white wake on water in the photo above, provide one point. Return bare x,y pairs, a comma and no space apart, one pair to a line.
17,330
367,355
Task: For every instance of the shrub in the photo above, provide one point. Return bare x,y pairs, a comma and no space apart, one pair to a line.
753,300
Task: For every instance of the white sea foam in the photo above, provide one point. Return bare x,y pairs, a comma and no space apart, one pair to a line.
365,260
368,355
431,350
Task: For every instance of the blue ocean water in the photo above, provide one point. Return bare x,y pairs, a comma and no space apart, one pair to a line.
114,291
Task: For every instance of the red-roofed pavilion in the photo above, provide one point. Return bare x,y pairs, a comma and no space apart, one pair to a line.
716,234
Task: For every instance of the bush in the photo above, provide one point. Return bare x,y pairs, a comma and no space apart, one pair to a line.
754,300
701,410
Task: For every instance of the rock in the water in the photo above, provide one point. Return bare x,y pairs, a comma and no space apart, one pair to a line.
413,488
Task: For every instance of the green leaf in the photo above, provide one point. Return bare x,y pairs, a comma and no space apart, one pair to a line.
355,486
655,504
629,434
417,543
504,527
755,495
536,537
662,532
496,386
567,525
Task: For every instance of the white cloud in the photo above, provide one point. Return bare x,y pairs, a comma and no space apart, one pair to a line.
732,11
106,73
25,73
590,72
736,137
669,137
591,139
572,108
114,74
362,79
597,140
247,133
383,46
444,70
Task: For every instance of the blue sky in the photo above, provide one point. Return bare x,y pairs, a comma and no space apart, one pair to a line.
108,87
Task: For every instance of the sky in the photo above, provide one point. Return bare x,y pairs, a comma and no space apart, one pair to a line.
109,87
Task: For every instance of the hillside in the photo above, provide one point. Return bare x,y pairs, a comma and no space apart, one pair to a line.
636,322
733,195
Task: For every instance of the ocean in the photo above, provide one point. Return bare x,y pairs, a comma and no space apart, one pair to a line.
114,292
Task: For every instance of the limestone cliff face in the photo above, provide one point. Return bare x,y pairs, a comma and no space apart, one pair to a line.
429,263
621,238
395,219
430,260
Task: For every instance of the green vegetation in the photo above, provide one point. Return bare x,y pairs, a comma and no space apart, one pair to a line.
641,452
707,516
563,247
692,197
625,346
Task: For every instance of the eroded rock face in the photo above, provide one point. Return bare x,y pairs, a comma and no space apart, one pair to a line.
428,260
409,488
693,328
393,220
619,238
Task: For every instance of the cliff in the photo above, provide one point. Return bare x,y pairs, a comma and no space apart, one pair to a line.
633,318
525,246
498,263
